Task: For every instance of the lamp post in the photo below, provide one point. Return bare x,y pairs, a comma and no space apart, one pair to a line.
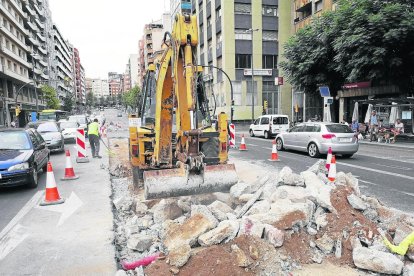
251,31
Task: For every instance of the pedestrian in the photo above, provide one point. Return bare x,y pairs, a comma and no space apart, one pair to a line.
398,129
355,126
93,134
373,125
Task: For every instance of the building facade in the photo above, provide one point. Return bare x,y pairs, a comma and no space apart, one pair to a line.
248,36
132,69
23,59
114,82
100,88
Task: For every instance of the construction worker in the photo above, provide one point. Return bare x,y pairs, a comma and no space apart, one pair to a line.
93,133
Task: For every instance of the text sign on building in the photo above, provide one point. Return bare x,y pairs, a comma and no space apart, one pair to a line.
259,72
364,84
134,122
279,81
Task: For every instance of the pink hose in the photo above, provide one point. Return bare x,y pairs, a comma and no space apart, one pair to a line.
141,262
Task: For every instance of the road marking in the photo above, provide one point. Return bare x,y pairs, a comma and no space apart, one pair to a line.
410,194
378,171
388,158
12,239
67,209
26,208
394,167
253,145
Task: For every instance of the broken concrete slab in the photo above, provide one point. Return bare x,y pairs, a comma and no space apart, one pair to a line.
219,210
179,256
249,204
292,193
377,261
273,235
320,192
123,203
239,189
319,167
250,227
166,209
188,232
139,242
287,177
356,202
226,230
325,244
259,207
140,209
202,209
408,270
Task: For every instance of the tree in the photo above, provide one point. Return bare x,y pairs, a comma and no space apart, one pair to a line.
119,98
68,103
131,97
89,99
50,96
362,40
101,100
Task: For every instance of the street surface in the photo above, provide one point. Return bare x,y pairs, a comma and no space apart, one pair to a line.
383,171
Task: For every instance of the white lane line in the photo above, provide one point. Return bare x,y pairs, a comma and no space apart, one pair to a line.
368,182
394,167
253,145
26,208
410,194
388,158
377,171
12,239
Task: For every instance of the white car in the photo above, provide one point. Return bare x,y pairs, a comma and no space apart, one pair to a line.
269,125
69,130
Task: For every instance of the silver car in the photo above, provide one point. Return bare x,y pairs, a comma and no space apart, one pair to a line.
316,138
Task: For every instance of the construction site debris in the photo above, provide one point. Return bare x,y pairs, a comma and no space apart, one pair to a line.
249,203
242,259
141,262
139,242
274,236
356,202
166,209
377,261
226,230
408,270
287,177
179,256
325,244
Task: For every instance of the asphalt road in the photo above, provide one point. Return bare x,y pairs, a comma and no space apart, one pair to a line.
13,199
384,172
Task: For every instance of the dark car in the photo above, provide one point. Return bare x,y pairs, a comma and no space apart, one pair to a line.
51,133
23,153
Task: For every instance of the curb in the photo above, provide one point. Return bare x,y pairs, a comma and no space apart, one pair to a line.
399,145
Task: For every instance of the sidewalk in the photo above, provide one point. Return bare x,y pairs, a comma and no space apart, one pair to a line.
401,145
74,238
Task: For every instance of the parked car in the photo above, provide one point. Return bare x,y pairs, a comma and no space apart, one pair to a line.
23,153
82,120
69,130
51,133
269,125
317,137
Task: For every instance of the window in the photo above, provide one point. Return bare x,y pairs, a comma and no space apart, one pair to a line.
280,121
256,122
242,8
298,128
269,35
237,92
269,61
318,5
243,61
264,121
242,34
218,14
269,10
339,128
312,128
249,92
208,22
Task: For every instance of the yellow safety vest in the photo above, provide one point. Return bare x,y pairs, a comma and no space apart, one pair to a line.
93,129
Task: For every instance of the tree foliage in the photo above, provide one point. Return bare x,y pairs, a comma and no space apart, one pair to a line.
89,99
50,96
362,40
68,102
131,98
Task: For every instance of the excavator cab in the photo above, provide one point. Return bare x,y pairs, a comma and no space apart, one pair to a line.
190,158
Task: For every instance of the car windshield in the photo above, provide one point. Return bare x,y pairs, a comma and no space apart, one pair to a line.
16,140
47,127
68,125
339,128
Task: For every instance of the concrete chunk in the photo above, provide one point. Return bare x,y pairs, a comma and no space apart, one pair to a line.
166,209
356,202
179,256
219,210
287,177
225,230
274,236
260,207
325,244
320,193
377,261
242,259
139,242
408,270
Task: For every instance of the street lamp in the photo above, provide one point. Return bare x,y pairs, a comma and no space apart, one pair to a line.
251,31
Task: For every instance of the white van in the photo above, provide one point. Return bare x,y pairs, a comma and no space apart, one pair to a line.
269,125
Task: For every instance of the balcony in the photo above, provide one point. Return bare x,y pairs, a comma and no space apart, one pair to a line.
209,33
40,24
218,4
34,41
13,37
219,50
42,50
218,25
11,18
41,37
12,55
43,63
29,10
40,12
208,9
32,26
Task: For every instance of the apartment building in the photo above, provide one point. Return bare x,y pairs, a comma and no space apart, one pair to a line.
133,68
249,35
78,76
21,62
141,62
295,15
126,82
114,82
100,88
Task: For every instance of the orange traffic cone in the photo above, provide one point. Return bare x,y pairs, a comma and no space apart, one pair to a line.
332,170
69,172
52,195
328,159
275,155
243,144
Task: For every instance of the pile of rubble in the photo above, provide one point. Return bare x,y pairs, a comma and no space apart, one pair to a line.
273,226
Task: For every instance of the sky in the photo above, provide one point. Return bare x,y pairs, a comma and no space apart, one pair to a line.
105,32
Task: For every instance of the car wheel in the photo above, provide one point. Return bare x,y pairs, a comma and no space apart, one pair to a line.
313,150
266,135
33,182
251,133
347,155
279,144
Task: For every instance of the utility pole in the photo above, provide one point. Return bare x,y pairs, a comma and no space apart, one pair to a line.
251,31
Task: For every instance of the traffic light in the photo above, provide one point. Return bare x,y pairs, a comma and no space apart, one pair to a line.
18,110
265,105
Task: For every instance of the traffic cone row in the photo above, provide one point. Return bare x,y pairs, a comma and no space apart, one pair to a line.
275,155
69,172
328,159
242,144
332,170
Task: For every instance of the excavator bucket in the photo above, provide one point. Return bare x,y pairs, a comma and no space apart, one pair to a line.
179,182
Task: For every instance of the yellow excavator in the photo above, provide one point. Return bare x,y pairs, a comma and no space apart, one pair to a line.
174,149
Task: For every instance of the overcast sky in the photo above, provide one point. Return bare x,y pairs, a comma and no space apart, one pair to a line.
105,32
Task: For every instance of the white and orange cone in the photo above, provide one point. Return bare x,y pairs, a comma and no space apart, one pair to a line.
52,196
332,170
328,159
69,172
242,144
275,155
